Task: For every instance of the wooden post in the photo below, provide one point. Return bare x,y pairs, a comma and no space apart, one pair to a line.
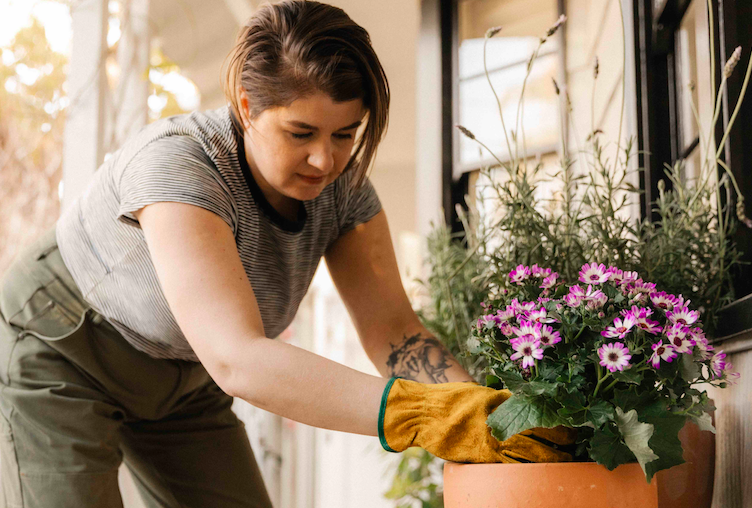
83,141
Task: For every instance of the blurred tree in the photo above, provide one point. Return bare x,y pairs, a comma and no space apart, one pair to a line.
32,116
33,102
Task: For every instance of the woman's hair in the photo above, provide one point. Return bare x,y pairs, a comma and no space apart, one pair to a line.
296,48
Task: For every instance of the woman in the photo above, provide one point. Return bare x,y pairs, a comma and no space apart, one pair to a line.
127,331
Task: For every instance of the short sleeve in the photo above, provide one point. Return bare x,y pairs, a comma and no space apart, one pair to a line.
175,169
355,205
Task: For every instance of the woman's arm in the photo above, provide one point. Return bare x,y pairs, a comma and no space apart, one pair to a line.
202,277
364,269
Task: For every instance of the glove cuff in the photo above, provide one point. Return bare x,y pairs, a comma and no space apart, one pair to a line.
382,412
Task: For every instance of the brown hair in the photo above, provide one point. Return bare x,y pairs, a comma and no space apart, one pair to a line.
295,48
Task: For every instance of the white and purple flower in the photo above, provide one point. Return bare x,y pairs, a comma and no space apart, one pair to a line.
718,364
528,349
701,342
528,329
615,275
614,356
575,296
594,273
549,337
679,336
663,300
595,298
663,352
539,316
620,328
520,274
549,281
682,315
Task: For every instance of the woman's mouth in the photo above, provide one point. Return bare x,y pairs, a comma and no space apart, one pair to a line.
311,179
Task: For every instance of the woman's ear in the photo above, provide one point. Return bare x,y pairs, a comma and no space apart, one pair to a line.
245,108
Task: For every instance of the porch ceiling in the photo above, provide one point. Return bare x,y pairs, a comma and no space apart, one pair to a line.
197,35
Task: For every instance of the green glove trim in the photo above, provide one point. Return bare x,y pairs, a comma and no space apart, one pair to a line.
382,411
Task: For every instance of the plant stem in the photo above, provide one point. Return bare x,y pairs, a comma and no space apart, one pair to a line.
498,102
736,109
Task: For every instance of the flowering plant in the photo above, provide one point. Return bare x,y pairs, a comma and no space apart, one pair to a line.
609,354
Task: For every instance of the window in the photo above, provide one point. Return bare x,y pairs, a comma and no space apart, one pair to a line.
673,71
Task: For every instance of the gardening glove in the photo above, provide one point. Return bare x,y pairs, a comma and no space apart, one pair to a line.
449,421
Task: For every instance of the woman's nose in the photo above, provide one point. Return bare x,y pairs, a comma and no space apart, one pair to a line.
321,156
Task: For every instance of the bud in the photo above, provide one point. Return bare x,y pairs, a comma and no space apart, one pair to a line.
556,25
735,57
597,68
740,213
661,185
556,86
492,31
691,85
466,132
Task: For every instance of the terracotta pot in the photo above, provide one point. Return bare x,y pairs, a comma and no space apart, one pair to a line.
559,485
690,485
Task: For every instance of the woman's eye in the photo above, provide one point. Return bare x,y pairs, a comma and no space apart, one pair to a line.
343,136
297,135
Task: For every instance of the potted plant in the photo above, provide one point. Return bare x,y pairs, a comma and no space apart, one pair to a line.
688,254
608,354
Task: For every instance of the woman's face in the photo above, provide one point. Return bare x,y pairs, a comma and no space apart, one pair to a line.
296,151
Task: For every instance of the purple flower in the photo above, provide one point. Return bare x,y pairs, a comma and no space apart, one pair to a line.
637,312
548,337
649,326
682,315
527,348
718,364
620,328
506,329
614,356
539,316
679,337
593,273
630,277
595,298
663,352
575,296
615,275
519,274
641,286
705,349
549,281
540,272
528,329
663,300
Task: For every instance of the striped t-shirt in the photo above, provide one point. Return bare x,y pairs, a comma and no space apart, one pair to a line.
196,159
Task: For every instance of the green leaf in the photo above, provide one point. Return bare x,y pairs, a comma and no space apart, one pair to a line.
600,412
608,449
628,376
512,380
580,415
636,436
520,413
665,440
493,381
704,422
690,370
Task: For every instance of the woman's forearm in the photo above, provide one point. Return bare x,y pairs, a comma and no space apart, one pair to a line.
302,386
414,353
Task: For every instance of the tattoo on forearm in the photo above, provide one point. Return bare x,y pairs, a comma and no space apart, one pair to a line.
418,354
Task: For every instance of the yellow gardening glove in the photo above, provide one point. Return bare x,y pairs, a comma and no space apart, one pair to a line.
449,421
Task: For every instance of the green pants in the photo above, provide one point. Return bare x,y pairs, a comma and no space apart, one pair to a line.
76,400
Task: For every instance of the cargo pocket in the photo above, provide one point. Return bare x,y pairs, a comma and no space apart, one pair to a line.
10,477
